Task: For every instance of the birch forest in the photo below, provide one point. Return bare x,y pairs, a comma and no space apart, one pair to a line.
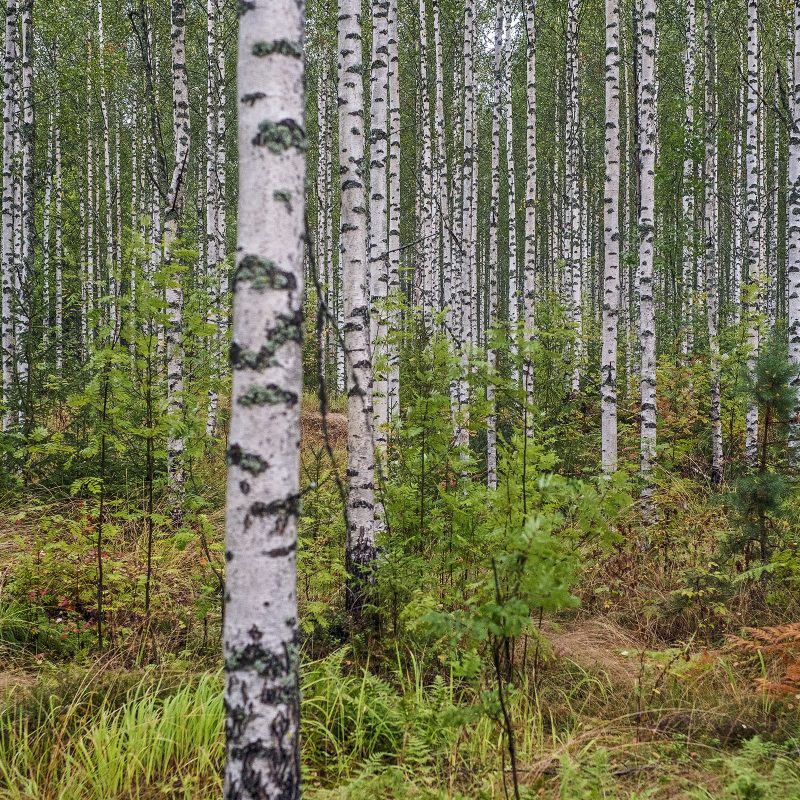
400,400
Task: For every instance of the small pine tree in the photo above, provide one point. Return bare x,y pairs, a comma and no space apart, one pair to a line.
759,495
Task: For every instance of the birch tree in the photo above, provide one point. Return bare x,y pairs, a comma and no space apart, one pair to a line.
711,235
8,260
688,179
753,220
393,290
378,215
262,695
355,286
172,214
611,240
647,168
793,231
492,266
529,277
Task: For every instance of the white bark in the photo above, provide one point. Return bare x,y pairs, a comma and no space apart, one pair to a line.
111,267
393,290
378,218
428,278
793,232
689,265
572,232
26,229
711,232
174,290
529,278
442,203
647,165
492,266
59,255
46,240
212,210
355,287
611,241
513,287
465,251
753,220
262,696
8,260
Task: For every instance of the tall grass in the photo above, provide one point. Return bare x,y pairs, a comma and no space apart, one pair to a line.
98,739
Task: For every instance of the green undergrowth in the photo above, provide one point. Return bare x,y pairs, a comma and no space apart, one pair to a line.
405,729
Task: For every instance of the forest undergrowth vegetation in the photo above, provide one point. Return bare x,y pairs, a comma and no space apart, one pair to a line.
536,638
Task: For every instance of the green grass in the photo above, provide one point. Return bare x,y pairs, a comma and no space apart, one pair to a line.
100,734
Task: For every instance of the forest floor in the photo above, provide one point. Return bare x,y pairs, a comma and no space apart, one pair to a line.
648,690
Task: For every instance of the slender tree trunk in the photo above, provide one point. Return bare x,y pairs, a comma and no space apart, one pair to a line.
428,277
442,203
212,211
262,694
647,321
174,293
529,279
711,232
753,221
111,268
611,239
355,285
572,260
513,287
9,262
465,253
492,266
27,227
394,289
793,230
378,217
689,267
46,242
59,262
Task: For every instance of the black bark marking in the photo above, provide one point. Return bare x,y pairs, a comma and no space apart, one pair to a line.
280,136
269,395
263,273
250,462
288,329
282,47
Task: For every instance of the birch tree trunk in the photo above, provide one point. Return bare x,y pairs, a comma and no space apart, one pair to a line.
212,211
59,255
46,241
793,231
611,240
492,266
262,693
174,291
647,321
529,278
355,286
428,267
442,203
393,291
9,262
711,232
688,180
572,232
26,228
513,288
466,252
111,267
753,221
378,220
